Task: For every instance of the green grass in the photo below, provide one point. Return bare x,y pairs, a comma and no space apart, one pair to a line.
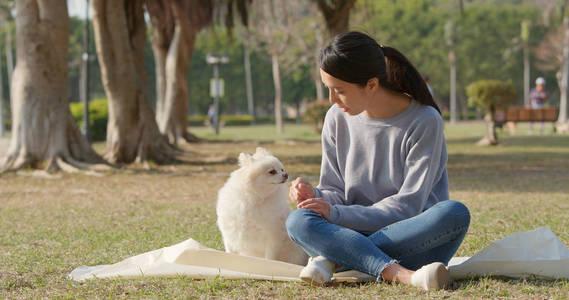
48,227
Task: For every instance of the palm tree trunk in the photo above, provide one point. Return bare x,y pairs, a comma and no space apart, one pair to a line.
565,74
248,80
452,63
9,56
278,93
1,101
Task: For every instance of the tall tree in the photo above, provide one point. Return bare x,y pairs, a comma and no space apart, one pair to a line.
5,10
450,40
120,36
175,24
307,43
336,14
565,68
272,29
553,55
5,20
43,130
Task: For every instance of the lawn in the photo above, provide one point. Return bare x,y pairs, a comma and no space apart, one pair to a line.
49,226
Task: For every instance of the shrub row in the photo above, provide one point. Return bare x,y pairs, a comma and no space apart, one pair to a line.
98,116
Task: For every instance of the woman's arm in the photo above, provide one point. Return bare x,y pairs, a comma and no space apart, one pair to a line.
331,186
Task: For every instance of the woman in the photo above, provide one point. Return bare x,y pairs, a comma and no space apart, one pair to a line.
381,206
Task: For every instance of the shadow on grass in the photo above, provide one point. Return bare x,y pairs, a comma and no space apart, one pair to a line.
545,141
510,172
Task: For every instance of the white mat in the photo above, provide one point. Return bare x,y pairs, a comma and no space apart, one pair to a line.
538,252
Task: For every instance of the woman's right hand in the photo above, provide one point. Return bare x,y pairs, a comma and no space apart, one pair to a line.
300,190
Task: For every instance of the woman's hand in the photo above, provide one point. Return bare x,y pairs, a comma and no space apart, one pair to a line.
300,190
317,205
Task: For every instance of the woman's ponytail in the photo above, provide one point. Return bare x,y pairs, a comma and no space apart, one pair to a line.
401,76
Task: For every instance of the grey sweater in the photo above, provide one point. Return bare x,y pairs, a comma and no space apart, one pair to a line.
376,172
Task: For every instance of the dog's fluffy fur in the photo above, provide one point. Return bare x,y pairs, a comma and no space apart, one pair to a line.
252,210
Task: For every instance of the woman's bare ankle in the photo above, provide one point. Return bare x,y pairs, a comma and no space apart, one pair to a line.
397,273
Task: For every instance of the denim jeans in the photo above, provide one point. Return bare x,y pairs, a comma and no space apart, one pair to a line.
432,236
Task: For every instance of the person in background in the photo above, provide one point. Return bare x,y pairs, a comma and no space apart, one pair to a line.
537,100
211,114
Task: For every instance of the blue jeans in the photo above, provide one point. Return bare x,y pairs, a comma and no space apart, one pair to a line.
432,236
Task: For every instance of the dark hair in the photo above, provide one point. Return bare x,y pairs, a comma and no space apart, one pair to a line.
356,57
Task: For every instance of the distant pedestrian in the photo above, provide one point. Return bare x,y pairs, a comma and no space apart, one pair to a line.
212,115
538,95
537,100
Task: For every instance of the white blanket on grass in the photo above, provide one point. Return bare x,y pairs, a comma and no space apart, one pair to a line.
538,252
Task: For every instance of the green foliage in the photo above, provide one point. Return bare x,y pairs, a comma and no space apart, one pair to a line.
98,117
491,94
234,120
487,46
315,114
486,38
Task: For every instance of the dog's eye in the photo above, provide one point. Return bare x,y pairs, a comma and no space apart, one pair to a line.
273,172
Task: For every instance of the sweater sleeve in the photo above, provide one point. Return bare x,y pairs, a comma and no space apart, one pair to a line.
331,186
422,170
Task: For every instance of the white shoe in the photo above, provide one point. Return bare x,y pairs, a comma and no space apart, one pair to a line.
318,271
434,276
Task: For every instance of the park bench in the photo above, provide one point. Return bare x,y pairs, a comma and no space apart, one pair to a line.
513,115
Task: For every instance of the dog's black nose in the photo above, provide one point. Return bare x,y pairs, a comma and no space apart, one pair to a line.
285,175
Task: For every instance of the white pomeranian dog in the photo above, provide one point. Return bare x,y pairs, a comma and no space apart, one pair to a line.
252,210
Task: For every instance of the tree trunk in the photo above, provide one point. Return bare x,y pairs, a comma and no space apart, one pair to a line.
43,130
160,68
9,57
452,63
316,72
278,93
491,138
565,74
525,43
336,14
1,101
248,79
173,38
132,133
173,120
526,76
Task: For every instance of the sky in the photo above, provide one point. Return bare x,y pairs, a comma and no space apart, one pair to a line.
76,8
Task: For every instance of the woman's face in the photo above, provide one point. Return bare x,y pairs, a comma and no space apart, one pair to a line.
350,97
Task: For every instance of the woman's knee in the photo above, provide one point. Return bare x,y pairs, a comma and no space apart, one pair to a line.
457,211
299,221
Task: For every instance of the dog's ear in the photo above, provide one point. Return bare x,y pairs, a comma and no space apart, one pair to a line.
260,152
245,159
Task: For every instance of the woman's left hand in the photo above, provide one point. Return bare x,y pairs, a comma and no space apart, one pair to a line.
317,205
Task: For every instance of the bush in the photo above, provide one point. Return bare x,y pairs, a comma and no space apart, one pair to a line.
469,115
490,95
235,120
315,113
98,117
